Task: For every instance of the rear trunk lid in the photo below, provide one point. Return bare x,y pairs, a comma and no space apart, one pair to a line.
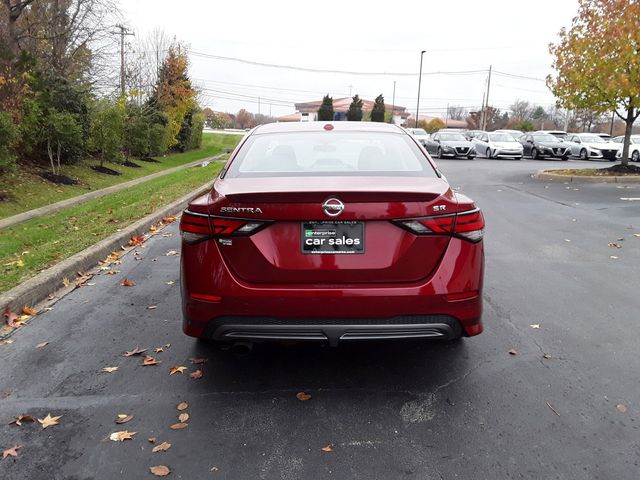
385,253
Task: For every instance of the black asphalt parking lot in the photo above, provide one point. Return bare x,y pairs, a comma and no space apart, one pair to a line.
565,406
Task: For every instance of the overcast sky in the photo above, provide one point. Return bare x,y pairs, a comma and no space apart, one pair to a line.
361,36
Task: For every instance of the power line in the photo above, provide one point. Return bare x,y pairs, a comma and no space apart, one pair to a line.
318,70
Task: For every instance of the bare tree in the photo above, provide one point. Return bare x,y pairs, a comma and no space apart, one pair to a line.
456,112
521,110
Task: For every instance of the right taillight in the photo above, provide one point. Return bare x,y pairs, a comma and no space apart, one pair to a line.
468,225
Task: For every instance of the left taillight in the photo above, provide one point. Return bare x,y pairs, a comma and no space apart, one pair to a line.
196,227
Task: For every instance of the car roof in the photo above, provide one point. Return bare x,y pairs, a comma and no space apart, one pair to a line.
550,131
290,127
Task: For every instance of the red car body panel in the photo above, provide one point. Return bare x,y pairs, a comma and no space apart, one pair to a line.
266,275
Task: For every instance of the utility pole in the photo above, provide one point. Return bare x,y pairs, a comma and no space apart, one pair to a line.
484,123
419,84
393,101
446,118
123,31
350,86
484,93
258,105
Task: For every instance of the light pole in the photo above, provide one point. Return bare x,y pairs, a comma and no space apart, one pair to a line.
419,83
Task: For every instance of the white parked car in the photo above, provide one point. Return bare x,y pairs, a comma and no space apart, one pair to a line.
514,133
591,145
497,145
419,134
634,147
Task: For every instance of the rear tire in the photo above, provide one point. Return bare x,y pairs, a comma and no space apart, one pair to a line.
635,156
439,153
584,155
534,154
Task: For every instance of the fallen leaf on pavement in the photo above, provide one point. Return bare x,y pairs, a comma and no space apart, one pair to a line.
513,352
615,245
127,283
11,452
546,356
178,426
196,375
42,344
567,240
10,317
49,420
159,350
182,406
183,417
160,470
152,307
149,360
613,257
152,439
123,418
170,282
8,341
171,253
65,282
135,351
122,436
169,219
636,235
136,240
198,361
621,408
177,369
303,397
23,418
535,325
29,311
328,448
109,369
552,409
163,447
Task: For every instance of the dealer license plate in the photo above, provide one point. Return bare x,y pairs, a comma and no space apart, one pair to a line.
332,237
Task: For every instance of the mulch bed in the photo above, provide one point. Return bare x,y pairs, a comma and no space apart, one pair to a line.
149,160
59,179
106,170
131,164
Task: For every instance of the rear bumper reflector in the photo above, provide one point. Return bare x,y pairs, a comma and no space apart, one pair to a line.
206,298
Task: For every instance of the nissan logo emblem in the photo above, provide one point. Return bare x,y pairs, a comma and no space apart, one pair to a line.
333,207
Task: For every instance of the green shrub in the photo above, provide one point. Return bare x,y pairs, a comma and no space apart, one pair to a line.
197,124
8,138
157,139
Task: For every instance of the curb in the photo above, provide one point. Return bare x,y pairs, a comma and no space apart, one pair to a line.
49,281
85,197
544,175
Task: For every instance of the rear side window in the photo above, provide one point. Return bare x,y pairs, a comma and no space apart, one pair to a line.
306,154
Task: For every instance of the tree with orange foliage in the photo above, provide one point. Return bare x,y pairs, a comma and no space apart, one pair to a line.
597,62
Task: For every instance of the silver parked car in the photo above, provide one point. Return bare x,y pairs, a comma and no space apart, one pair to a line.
419,134
450,144
592,146
497,145
634,147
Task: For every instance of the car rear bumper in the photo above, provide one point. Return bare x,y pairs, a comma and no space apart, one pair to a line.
213,298
333,331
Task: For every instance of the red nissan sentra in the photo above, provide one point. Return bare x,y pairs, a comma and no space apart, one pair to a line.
331,232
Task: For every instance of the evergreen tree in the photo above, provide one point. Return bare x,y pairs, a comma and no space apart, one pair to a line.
354,114
377,113
325,112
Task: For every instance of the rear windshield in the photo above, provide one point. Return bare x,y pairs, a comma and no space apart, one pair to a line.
305,154
500,137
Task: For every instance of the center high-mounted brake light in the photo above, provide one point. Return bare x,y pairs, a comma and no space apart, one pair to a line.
468,225
196,227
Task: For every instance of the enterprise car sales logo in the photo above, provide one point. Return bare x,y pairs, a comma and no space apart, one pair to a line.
240,210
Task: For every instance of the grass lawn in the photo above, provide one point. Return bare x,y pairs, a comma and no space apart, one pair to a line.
36,244
27,190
